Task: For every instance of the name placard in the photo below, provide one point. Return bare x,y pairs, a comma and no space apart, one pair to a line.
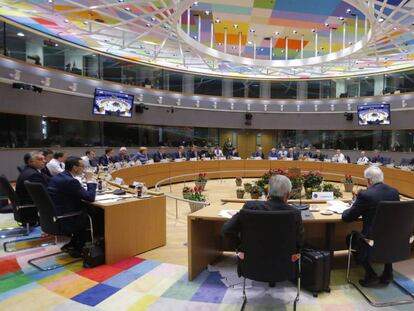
323,196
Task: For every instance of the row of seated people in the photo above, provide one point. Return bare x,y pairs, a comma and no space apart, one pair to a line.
66,192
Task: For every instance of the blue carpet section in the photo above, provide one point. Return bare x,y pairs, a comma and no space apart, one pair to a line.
405,282
211,290
123,279
143,267
95,295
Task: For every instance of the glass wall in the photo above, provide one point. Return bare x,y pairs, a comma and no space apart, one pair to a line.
26,46
18,131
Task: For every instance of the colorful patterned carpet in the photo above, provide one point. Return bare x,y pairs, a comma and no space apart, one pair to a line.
137,284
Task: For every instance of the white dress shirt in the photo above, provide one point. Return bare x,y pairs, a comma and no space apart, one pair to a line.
363,160
340,158
55,167
85,160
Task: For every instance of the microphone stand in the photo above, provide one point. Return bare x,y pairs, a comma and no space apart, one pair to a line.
300,206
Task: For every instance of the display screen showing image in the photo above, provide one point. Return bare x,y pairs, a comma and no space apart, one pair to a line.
112,103
374,114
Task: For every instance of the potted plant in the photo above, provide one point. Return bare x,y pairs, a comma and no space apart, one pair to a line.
328,187
186,192
247,187
201,181
348,183
255,192
238,181
312,183
240,193
196,196
297,184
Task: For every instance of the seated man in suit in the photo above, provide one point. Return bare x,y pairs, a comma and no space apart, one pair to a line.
318,155
279,191
193,153
68,195
106,158
218,153
122,156
259,153
204,153
234,153
160,155
376,158
141,155
57,164
31,172
48,154
180,153
273,154
365,205
89,159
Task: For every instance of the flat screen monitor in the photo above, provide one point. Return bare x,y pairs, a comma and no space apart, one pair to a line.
374,114
112,103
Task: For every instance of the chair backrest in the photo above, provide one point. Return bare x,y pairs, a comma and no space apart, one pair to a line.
386,161
7,190
268,240
392,229
44,204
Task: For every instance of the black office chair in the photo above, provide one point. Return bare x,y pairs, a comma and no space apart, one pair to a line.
348,159
23,214
386,161
268,241
391,239
49,220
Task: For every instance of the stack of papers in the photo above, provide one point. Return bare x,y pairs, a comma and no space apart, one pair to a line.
337,206
228,213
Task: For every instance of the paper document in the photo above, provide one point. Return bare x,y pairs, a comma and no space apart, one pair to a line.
228,213
105,197
337,206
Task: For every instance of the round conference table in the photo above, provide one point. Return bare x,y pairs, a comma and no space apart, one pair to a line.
205,243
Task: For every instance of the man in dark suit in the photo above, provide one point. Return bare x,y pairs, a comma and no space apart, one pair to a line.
365,205
31,172
259,153
107,157
180,153
193,153
376,158
279,190
48,154
122,156
318,155
160,155
234,153
68,195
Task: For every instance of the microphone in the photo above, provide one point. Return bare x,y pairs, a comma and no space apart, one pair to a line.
301,206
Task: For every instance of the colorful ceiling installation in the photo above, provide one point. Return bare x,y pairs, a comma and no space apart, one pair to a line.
267,39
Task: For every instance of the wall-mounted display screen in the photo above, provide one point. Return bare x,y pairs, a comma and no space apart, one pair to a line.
112,103
374,114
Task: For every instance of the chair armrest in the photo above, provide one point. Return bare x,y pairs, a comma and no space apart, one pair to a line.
25,206
369,242
411,239
69,215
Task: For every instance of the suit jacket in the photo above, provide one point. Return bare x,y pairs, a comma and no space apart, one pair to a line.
273,155
233,154
104,160
366,205
178,155
31,174
192,154
231,229
143,158
67,193
258,154
120,158
46,171
158,156
377,159
319,157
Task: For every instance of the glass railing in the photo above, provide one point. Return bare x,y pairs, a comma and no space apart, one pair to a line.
20,131
27,46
